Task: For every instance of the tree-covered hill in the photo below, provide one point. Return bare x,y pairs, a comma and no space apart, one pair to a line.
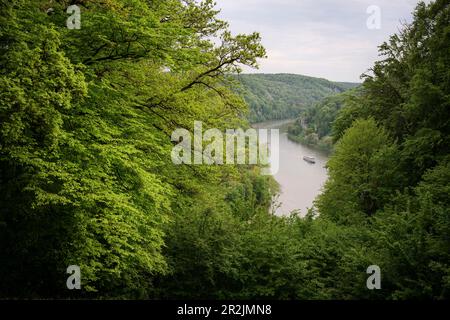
314,125
283,96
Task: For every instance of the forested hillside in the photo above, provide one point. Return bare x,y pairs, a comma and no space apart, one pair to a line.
86,176
390,175
284,96
314,125
386,201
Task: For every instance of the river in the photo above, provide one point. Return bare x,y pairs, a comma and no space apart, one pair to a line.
300,182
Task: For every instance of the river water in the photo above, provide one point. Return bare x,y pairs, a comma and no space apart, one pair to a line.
300,182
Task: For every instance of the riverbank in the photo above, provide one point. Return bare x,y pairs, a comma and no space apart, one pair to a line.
322,145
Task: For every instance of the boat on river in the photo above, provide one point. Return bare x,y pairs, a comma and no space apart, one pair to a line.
309,159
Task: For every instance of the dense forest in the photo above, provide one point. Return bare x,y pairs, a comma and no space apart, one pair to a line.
314,125
284,96
86,177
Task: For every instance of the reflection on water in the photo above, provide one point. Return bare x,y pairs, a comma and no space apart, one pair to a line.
300,181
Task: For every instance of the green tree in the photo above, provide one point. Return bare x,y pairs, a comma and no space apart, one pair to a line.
363,174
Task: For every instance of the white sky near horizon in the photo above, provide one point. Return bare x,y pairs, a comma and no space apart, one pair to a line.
320,38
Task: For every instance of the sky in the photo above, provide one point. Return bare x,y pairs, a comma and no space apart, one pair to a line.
320,38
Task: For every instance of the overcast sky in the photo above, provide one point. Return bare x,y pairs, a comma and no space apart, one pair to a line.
321,38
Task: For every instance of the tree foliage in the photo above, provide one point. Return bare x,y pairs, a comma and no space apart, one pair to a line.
86,116
390,172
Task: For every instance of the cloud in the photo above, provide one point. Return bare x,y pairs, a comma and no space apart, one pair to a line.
323,38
